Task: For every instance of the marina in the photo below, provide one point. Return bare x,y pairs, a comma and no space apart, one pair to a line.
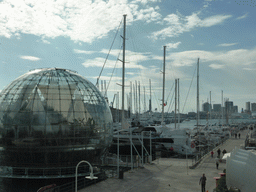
127,96
172,174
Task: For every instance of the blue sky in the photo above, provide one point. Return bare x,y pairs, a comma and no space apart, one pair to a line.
78,34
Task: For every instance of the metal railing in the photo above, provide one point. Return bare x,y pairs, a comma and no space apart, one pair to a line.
41,173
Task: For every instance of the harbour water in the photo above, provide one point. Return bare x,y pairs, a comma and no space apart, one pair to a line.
192,123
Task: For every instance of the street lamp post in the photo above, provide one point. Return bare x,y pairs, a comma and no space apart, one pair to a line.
87,177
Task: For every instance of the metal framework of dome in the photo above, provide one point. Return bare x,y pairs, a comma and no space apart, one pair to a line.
50,119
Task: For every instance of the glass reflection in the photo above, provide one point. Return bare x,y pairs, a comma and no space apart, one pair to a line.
53,116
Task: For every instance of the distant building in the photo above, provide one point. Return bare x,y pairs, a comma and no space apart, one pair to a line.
229,106
191,115
217,107
247,106
206,107
253,105
235,109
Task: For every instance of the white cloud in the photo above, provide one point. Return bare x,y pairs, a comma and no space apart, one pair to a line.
129,55
227,44
31,58
214,20
242,17
98,62
145,1
249,69
216,66
234,58
178,24
83,51
79,20
45,41
149,14
173,45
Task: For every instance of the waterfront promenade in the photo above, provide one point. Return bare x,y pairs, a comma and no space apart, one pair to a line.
169,174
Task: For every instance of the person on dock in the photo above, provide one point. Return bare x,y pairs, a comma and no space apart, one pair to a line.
218,151
202,181
217,163
212,154
239,135
224,151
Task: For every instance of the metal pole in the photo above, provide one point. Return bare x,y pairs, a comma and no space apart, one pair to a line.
118,154
136,99
131,149
210,106
222,107
139,98
150,105
142,146
197,93
130,97
150,159
144,99
197,119
163,86
123,75
175,110
178,103
187,160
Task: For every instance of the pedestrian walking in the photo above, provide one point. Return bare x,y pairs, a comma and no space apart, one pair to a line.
239,135
224,151
212,154
235,135
217,163
202,181
218,151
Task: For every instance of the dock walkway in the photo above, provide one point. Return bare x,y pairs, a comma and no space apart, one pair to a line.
169,174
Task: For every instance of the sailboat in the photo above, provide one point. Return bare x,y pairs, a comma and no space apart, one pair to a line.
172,140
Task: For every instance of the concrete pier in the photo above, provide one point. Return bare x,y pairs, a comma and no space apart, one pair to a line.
170,174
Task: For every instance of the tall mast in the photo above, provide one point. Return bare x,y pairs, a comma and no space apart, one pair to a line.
150,105
144,99
178,103
210,110
139,98
163,86
222,107
123,76
175,110
130,98
197,101
136,98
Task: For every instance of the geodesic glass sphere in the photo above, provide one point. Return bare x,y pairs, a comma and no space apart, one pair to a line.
53,117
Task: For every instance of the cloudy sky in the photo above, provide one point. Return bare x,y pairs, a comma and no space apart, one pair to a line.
84,35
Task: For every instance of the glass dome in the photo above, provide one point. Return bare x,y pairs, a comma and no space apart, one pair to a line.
53,117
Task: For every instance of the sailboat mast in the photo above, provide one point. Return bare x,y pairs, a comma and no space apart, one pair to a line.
163,87
210,110
175,110
197,119
150,105
178,103
222,109
123,75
